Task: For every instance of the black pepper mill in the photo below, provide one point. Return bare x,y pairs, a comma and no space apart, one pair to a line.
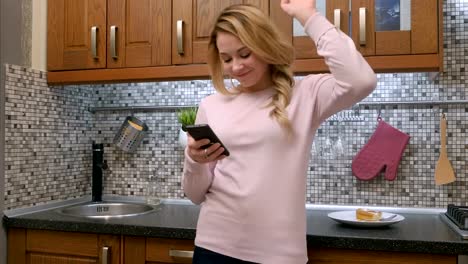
99,165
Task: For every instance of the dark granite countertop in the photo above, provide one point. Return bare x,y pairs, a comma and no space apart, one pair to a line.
421,231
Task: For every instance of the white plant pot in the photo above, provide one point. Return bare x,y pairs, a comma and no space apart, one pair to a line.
182,138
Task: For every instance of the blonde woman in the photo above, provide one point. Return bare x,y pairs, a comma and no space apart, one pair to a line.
253,201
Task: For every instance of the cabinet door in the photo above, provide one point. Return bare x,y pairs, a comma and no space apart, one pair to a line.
424,31
182,25
134,249
162,250
139,33
141,250
363,28
395,27
43,247
71,247
76,34
336,11
204,14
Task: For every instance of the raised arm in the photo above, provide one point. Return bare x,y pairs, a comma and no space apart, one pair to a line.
351,78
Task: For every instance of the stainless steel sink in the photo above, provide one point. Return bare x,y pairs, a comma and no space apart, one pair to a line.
107,209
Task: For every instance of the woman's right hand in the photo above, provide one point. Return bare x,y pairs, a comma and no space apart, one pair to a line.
196,153
300,9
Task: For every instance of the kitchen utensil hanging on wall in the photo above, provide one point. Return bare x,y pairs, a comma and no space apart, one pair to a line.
443,172
130,134
383,151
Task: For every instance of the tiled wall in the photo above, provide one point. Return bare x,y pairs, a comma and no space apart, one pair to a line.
47,139
50,130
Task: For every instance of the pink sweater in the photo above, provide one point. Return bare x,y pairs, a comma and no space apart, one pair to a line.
253,202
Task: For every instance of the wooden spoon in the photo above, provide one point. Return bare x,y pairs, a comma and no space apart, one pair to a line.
443,172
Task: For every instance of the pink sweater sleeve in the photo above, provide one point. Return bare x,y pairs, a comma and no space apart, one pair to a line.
197,177
351,78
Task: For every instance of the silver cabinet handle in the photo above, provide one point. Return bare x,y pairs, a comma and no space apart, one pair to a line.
94,31
105,255
362,26
180,37
337,18
113,36
181,253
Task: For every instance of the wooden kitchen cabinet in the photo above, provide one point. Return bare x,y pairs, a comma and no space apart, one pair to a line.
205,13
419,36
141,250
138,33
349,256
197,18
148,40
94,34
304,46
30,246
415,45
76,35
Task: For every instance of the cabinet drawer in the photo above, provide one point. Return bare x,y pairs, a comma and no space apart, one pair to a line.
349,256
169,250
62,243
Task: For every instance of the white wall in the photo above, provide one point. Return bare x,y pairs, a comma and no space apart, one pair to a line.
39,35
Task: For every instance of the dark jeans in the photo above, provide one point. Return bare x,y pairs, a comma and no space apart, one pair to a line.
205,256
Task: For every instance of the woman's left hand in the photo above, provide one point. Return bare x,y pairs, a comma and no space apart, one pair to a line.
196,153
300,9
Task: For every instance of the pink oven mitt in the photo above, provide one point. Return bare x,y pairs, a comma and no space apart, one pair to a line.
383,150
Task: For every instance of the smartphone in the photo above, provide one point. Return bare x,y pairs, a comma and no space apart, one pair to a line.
201,131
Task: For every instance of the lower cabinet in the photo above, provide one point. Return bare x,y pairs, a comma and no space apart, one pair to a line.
30,246
350,256
141,250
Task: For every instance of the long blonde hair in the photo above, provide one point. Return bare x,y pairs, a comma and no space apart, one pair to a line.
255,30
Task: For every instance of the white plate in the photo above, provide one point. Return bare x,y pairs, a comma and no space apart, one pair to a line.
349,217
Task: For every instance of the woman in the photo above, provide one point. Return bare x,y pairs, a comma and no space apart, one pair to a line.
252,202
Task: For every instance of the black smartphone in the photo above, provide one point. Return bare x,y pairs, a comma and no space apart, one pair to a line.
201,131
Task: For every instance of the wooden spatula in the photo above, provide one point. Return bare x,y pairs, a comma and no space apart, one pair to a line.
443,172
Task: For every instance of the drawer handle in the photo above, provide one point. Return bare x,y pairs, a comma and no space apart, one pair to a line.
180,253
337,18
362,26
105,255
94,31
113,36
180,37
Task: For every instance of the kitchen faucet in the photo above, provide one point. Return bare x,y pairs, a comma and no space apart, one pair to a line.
99,165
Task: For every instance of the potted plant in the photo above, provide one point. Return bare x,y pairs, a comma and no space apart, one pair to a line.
186,117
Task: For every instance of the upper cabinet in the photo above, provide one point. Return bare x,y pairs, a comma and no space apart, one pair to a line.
76,35
393,35
404,27
94,34
193,20
143,40
138,33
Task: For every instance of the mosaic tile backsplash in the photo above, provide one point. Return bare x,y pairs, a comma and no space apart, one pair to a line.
49,131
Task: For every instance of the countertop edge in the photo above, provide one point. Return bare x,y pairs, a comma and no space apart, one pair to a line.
397,245
16,219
